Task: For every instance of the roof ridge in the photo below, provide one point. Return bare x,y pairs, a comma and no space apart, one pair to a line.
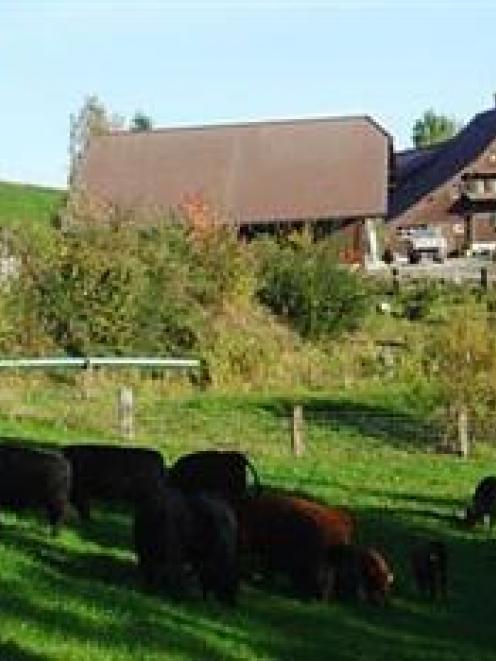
251,124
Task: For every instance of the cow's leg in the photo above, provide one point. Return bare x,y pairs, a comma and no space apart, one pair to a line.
82,506
56,512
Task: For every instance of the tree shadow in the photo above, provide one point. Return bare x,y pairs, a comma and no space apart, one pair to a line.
68,588
109,527
11,651
398,430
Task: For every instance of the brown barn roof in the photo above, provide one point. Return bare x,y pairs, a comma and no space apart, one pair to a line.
255,172
426,170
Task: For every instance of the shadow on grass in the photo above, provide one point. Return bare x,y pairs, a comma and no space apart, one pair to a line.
109,527
68,592
398,430
11,651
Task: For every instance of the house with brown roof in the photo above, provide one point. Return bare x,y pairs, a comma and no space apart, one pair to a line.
328,173
451,185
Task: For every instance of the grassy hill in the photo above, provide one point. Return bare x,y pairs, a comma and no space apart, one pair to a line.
78,596
20,203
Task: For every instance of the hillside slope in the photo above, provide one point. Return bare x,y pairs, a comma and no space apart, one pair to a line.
21,203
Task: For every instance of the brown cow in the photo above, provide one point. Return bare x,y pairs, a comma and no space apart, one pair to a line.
292,535
360,574
376,575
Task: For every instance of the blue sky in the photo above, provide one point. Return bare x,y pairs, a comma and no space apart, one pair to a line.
207,61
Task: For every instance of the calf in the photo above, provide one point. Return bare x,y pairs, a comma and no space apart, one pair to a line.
359,574
377,577
483,502
429,562
214,471
293,536
36,478
112,473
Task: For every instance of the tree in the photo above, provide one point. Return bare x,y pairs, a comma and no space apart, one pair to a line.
92,119
432,129
460,362
141,122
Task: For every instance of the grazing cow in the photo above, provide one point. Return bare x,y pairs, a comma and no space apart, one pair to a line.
483,502
214,471
213,548
112,473
359,574
293,536
429,562
376,575
32,477
161,532
174,531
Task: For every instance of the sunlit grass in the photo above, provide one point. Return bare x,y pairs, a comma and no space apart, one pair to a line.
78,596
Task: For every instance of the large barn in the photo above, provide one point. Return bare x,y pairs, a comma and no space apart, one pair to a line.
329,173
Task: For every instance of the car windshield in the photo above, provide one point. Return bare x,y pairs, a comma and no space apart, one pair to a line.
426,232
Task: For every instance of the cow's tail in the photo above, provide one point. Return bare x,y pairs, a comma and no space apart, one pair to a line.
257,487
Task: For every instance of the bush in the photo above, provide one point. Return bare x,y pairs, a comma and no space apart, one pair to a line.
303,282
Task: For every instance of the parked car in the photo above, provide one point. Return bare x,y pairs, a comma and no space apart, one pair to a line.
426,242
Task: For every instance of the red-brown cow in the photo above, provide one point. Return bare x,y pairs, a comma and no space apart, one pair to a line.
360,574
292,536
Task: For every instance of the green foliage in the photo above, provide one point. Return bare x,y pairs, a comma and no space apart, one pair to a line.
92,119
302,281
460,359
432,129
140,122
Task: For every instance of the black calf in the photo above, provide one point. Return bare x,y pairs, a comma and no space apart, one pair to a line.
429,562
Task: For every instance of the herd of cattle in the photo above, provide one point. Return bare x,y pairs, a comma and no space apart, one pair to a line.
204,522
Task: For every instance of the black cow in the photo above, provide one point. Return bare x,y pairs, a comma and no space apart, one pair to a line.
483,502
112,473
214,471
162,529
35,478
174,532
429,561
213,546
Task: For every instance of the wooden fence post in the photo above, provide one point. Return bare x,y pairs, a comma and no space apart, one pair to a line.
484,278
463,432
396,279
297,445
125,412
87,381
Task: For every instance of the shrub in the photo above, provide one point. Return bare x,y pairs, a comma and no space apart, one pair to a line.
303,282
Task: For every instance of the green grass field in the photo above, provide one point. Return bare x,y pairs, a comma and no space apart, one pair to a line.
20,203
78,596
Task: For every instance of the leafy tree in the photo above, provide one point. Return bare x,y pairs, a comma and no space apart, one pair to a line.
459,359
432,129
92,119
140,122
